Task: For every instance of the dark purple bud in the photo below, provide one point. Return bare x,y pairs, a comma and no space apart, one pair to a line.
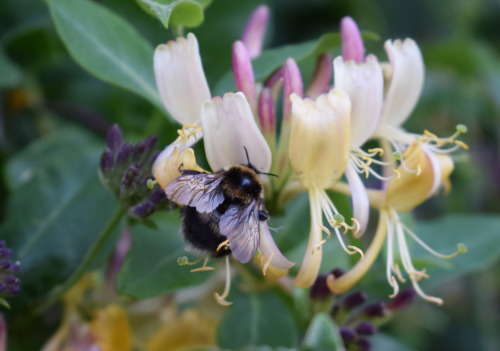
14,267
130,176
354,300
364,344
106,162
114,137
337,272
142,210
2,243
150,143
157,196
10,279
124,153
320,290
139,148
365,328
376,309
347,335
404,299
2,287
5,253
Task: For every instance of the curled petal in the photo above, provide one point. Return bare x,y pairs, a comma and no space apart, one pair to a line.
229,127
442,165
352,43
314,252
407,67
253,35
180,78
364,84
270,250
360,202
412,187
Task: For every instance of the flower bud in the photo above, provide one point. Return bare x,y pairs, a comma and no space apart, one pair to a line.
142,210
114,137
376,309
354,300
365,328
253,35
352,43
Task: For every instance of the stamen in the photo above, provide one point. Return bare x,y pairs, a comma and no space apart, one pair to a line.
398,175
393,282
223,244
266,265
318,246
461,248
188,131
221,299
423,295
397,271
376,150
358,250
461,144
202,268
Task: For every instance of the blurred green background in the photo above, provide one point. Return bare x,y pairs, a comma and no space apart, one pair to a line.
43,90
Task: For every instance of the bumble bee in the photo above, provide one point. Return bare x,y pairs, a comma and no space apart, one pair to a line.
220,206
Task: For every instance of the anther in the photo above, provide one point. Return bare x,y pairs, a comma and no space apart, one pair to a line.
223,244
376,150
396,172
461,144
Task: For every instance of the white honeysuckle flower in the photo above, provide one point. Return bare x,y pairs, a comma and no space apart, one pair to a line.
318,149
364,83
180,78
228,128
406,80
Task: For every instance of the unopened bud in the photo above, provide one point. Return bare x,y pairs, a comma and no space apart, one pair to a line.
354,300
403,299
319,290
365,328
114,137
376,309
142,210
347,334
124,153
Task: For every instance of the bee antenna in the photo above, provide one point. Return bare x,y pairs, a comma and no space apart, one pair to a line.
246,152
255,169
269,174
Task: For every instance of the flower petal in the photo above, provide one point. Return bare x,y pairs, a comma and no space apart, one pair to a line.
364,83
268,248
407,80
229,127
360,202
319,139
180,78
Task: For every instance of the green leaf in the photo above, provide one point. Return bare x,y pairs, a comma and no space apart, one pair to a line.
187,13
10,74
322,335
151,268
381,341
479,233
256,319
105,45
56,209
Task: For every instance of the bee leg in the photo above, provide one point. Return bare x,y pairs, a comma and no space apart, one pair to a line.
221,299
223,244
203,268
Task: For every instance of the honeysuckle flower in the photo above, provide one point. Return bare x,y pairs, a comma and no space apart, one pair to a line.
319,148
180,78
402,194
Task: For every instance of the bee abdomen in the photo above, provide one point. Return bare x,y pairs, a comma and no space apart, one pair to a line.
201,232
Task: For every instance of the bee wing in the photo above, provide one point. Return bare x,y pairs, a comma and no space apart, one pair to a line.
240,224
199,190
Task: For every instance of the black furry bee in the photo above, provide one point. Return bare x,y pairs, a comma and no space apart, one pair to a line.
219,206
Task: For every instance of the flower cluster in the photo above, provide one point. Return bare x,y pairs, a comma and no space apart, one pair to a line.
318,141
126,170
9,283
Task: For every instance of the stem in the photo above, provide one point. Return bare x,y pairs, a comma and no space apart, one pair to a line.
57,292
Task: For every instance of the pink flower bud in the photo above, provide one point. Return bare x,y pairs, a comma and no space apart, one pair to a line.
292,84
321,77
352,43
253,35
267,113
243,73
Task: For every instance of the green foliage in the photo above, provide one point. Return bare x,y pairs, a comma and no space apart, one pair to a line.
106,46
257,319
57,207
151,267
187,13
322,335
10,74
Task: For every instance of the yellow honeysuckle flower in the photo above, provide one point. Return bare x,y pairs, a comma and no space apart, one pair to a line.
403,193
111,329
318,149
